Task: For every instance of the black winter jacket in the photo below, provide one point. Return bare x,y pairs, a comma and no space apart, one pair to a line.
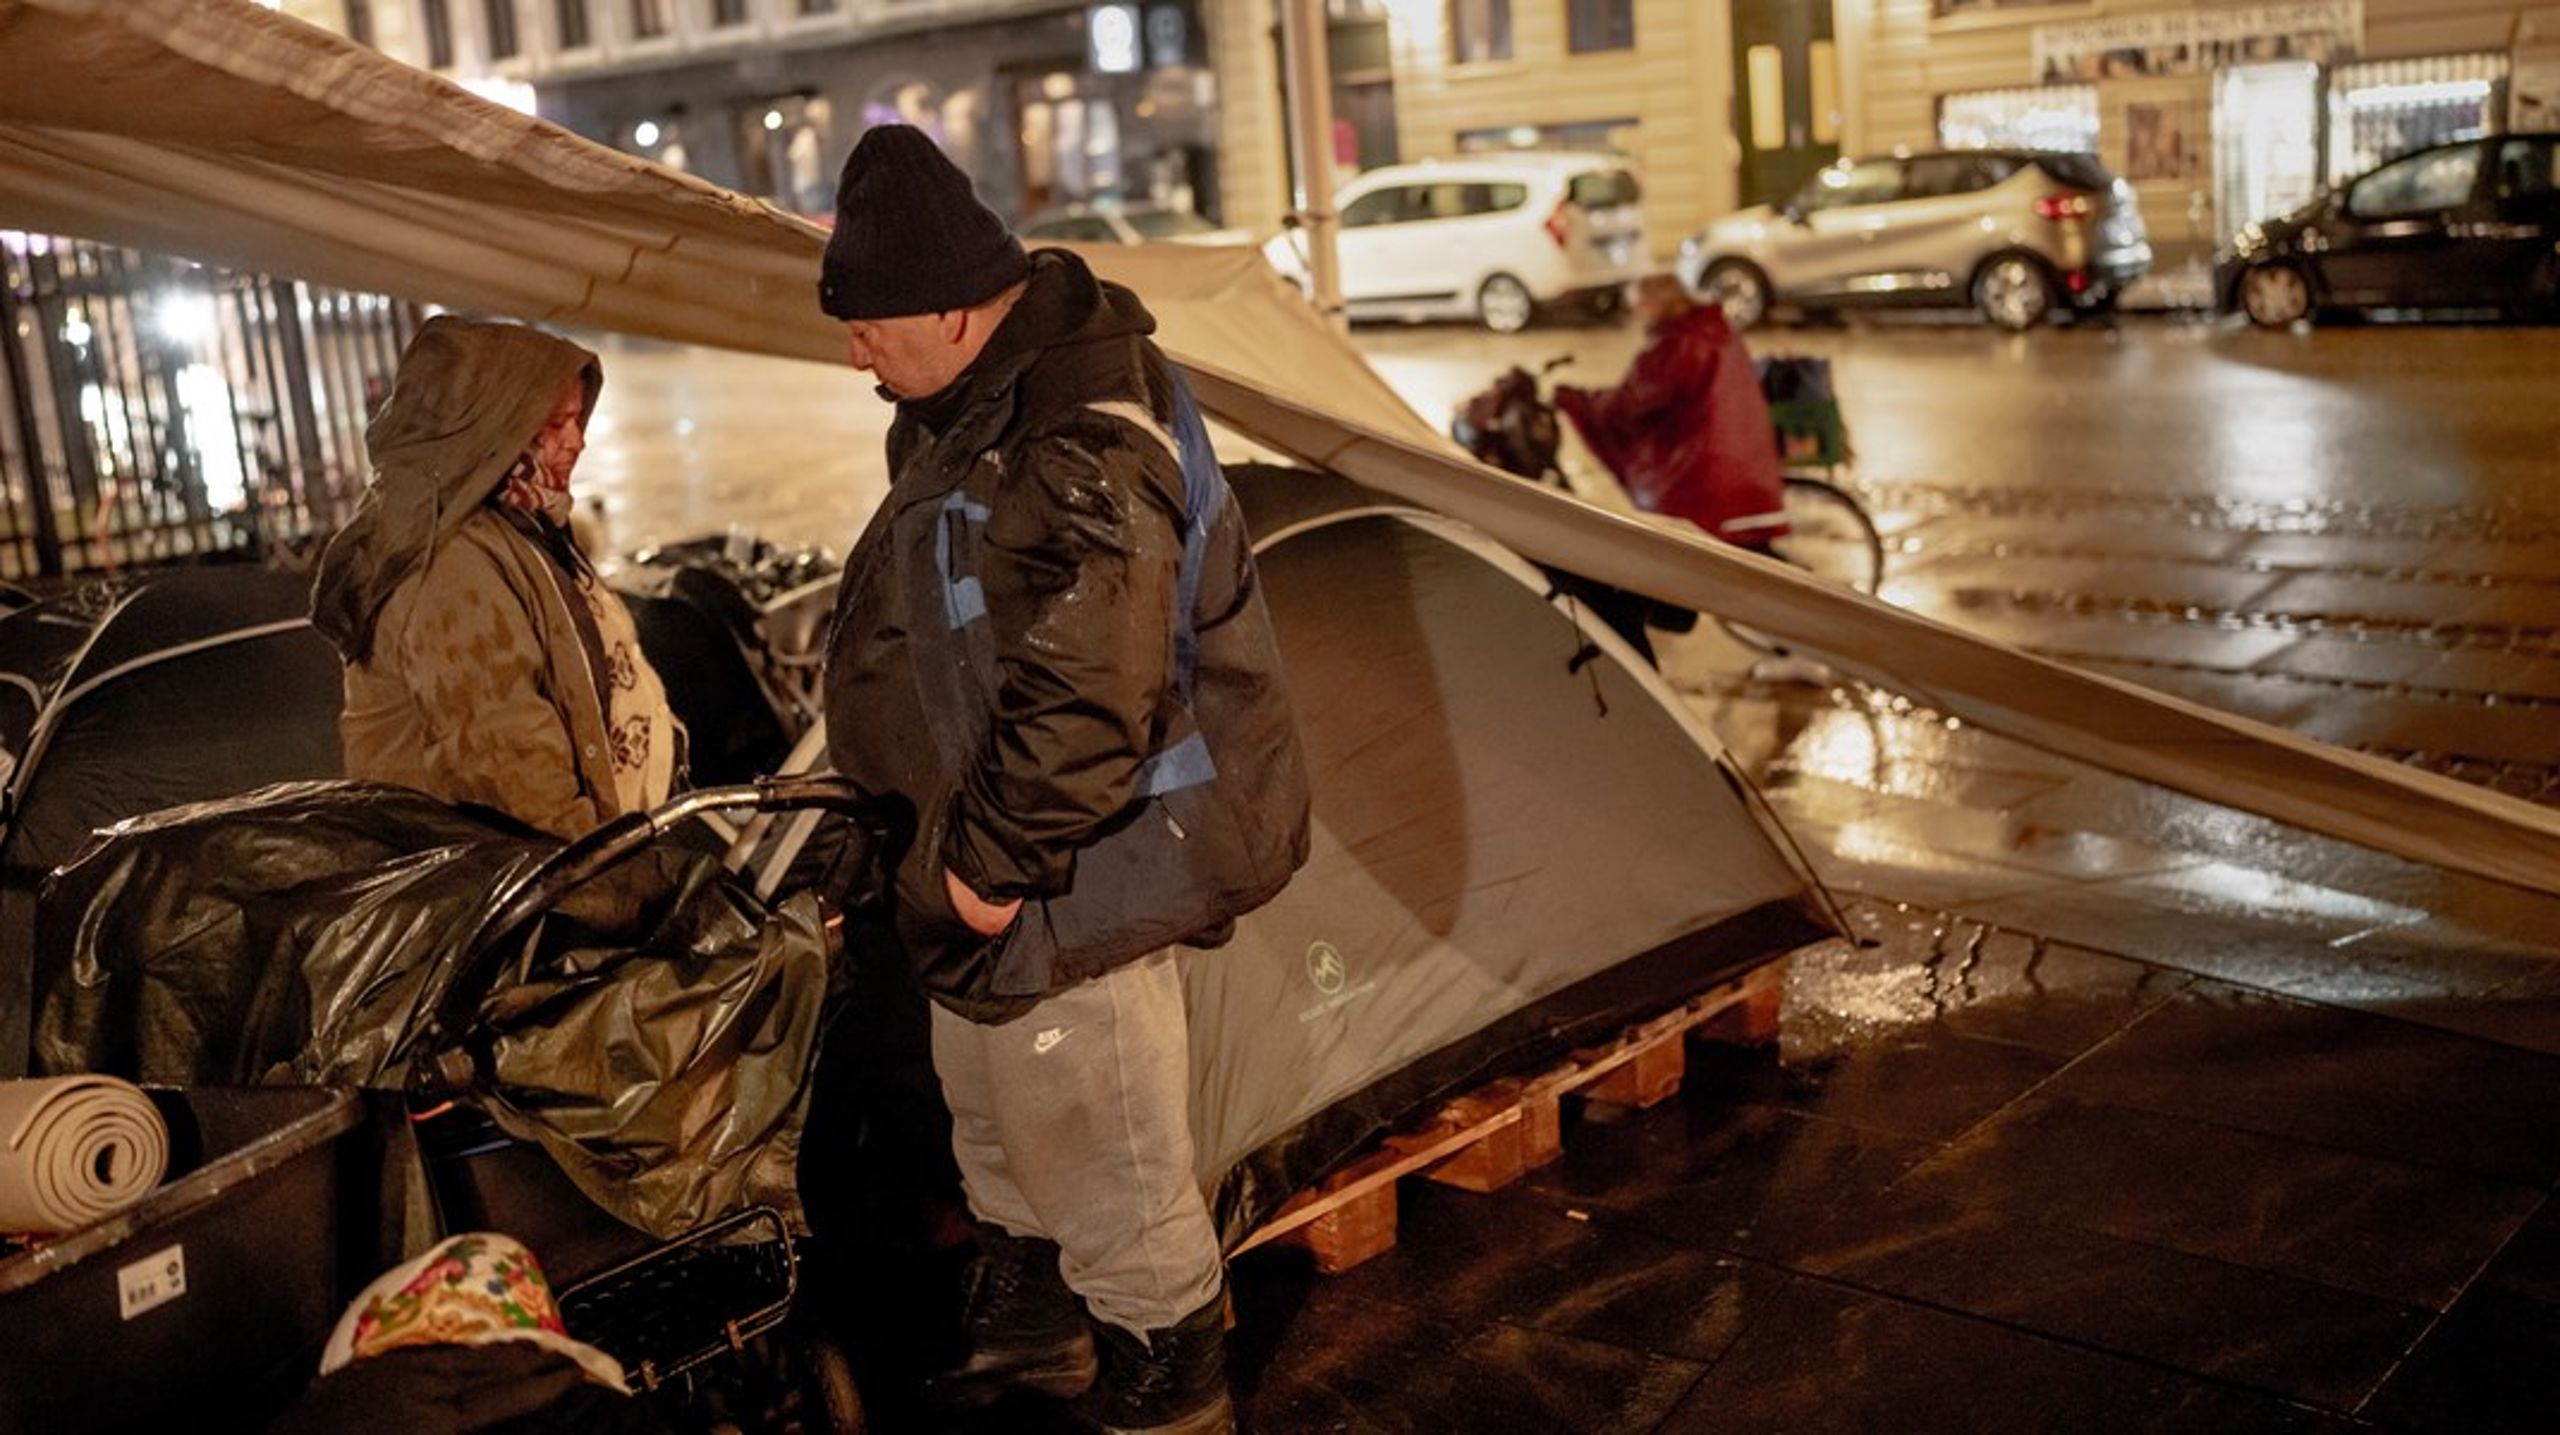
1008,656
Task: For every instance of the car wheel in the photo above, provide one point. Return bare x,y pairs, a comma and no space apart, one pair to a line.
2275,296
1503,303
1739,289
2014,292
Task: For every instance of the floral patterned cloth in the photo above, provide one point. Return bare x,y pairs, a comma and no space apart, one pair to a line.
473,1289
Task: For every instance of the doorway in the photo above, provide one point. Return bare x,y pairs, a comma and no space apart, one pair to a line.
1786,94
2266,147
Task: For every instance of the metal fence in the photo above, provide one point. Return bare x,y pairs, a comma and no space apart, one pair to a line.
154,410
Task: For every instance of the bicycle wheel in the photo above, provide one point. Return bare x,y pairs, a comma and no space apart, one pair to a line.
1830,536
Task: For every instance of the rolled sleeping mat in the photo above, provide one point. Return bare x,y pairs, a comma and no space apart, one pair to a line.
75,1149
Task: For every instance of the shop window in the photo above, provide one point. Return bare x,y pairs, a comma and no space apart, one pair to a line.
1596,25
648,19
2052,117
501,18
725,13
2388,108
439,27
1479,30
2420,184
571,17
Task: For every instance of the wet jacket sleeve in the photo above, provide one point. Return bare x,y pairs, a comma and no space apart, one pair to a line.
1665,384
469,651
1083,549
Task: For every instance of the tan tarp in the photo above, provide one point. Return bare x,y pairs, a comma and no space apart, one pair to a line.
214,129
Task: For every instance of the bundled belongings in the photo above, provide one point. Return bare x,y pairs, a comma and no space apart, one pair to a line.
201,1305
653,1038
466,1337
74,1149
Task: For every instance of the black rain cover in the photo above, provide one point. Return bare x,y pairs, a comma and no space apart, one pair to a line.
297,935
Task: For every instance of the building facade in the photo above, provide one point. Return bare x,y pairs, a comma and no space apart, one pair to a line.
1046,105
2219,112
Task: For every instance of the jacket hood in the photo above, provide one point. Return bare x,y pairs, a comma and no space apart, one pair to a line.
469,399
1062,304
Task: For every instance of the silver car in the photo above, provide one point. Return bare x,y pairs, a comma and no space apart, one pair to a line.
2016,234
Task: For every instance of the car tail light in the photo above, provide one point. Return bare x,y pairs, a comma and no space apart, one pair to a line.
1555,226
2059,207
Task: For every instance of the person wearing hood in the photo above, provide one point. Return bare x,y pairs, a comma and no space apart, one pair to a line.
485,661
1051,643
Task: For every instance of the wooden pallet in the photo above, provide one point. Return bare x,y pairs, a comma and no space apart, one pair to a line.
1495,1135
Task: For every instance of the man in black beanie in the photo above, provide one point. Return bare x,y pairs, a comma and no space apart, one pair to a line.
1051,641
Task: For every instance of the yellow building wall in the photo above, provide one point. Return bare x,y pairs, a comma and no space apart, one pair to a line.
1253,126
1676,84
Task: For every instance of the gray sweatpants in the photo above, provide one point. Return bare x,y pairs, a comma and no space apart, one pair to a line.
1073,1122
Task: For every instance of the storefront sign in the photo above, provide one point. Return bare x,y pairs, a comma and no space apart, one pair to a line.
2196,42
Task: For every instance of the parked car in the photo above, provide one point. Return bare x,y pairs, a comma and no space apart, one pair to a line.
2474,224
1494,237
2016,234
1129,224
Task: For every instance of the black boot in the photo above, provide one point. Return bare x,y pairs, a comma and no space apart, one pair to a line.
1026,1330
1173,1382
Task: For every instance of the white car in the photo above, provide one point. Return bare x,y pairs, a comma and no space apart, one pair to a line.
1493,237
1128,224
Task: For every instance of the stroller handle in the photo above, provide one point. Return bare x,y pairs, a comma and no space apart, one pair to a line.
445,1066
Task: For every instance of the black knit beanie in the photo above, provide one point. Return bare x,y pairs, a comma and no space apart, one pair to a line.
911,236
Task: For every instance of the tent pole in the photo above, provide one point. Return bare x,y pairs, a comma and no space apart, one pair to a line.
1310,97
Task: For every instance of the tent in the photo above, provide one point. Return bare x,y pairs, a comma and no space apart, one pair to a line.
216,129
1487,758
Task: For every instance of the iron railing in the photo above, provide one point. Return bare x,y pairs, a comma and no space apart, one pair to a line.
154,410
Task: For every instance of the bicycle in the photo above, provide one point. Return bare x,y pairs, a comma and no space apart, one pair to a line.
1514,426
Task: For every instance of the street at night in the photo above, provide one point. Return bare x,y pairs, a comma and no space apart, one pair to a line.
2144,1113
1312,717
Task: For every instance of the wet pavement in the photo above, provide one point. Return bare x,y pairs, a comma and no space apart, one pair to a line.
2140,1113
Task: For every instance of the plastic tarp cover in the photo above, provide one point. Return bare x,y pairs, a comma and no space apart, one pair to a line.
298,935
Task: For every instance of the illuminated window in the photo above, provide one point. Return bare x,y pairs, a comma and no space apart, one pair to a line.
2054,117
1768,73
1822,60
1479,30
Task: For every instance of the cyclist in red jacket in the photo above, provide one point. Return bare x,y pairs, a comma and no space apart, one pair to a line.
1688,431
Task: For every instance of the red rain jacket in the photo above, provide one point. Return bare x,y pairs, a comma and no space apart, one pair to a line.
1688,432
